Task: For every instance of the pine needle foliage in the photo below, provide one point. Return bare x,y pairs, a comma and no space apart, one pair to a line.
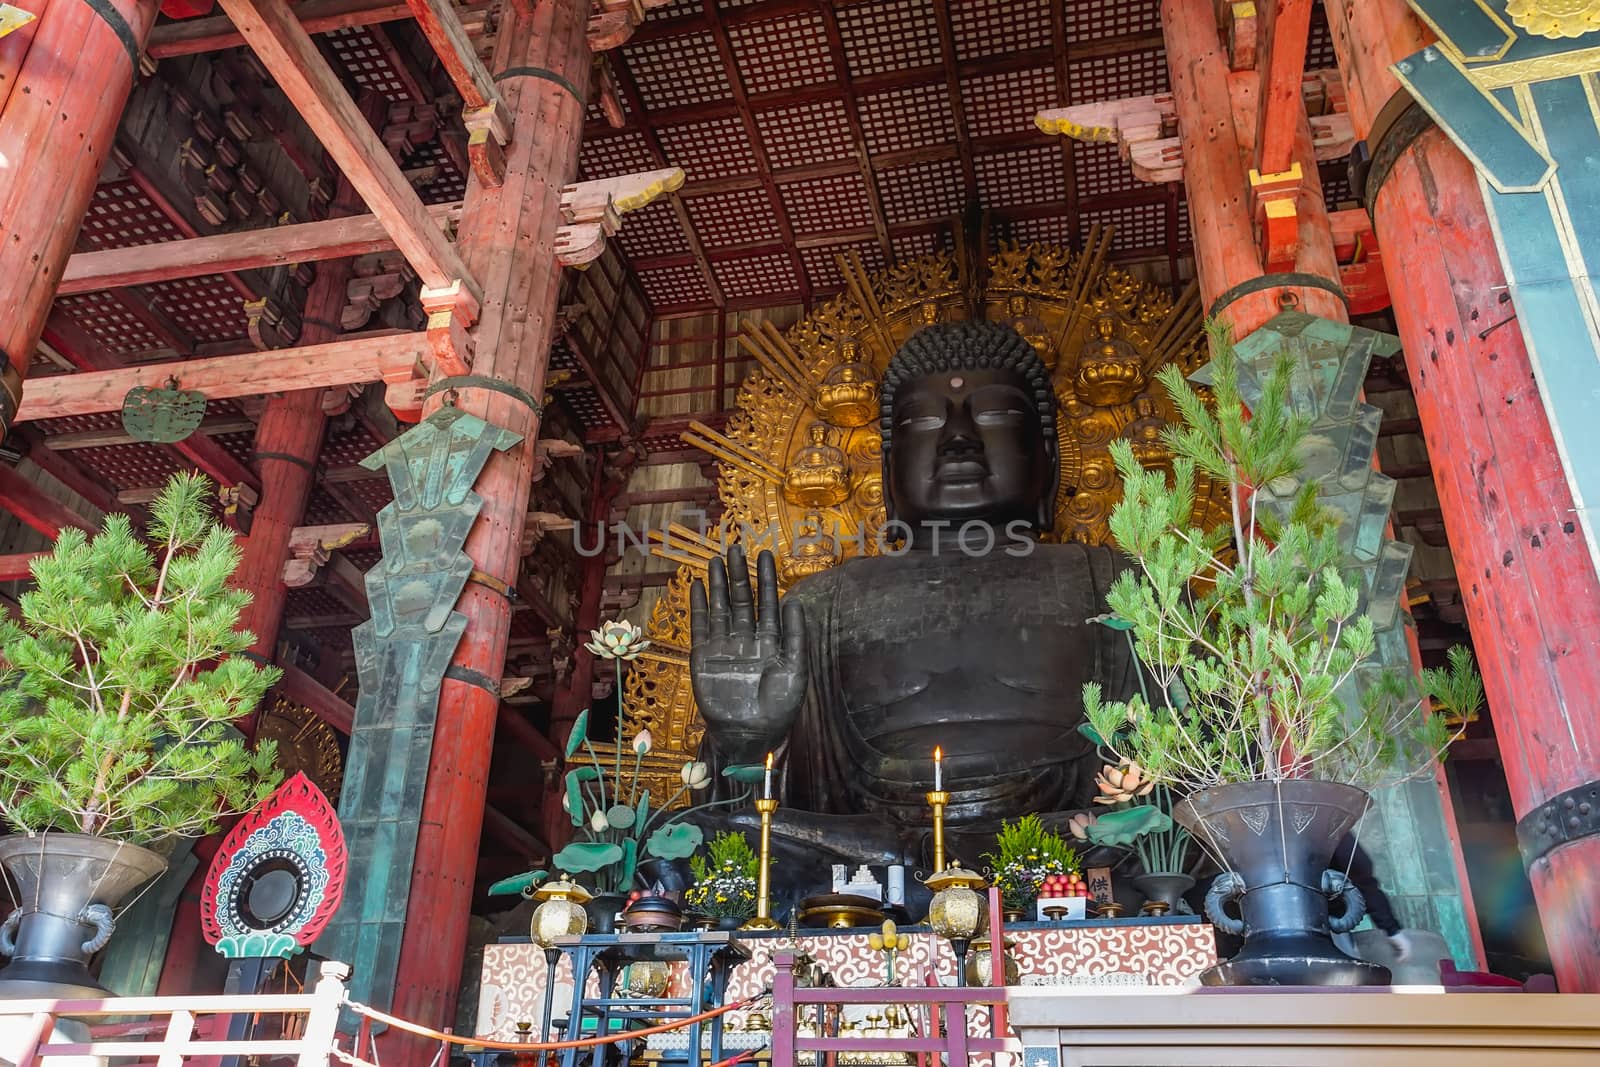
1250,631
120,682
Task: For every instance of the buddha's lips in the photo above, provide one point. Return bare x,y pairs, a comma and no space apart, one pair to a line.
962,467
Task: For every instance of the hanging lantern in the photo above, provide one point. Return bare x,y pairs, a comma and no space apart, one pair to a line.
560,914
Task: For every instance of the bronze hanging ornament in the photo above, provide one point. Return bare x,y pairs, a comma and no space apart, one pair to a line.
163,414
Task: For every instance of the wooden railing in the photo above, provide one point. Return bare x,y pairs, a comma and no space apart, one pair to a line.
30,1024
943,1013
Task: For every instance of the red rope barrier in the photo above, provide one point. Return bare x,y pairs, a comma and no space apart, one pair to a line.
545,1046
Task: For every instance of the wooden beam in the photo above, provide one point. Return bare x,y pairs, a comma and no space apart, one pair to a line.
345,362
69,442
947,50
852,113
503,828
216,462
303,689
636,106
1284,27
439,23
524,733
64,469
302,242
289,55
192,36
758,150
33,506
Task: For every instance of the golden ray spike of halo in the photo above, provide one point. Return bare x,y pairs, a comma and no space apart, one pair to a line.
774,364
859,284
779,345
682,545
1185,319
1080,281
694,563
730,451
687,536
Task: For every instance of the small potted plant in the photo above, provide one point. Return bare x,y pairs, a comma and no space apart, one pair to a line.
119,688
725,881
1251,634
1028,856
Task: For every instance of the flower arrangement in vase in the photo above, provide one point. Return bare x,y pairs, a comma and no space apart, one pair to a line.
725,879
1028,854
618,822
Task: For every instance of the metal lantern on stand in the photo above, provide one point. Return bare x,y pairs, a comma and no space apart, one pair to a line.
560,914
957,911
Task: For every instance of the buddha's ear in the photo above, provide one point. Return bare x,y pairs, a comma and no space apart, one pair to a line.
888,494
1047,501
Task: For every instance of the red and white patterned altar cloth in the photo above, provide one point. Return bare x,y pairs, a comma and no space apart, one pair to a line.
1164,951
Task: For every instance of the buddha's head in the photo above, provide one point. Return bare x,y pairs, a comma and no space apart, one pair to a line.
968,419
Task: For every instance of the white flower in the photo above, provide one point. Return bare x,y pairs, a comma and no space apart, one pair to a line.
566,802
617,639
695,775
597,822
643,742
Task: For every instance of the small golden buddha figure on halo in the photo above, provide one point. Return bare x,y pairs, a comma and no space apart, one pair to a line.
1144,434
1022,319
848,395
929,313
819,476
1109,370
814,550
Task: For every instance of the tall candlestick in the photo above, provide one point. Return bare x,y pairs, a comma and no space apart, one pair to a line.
766,789
937,800
938,769
763,917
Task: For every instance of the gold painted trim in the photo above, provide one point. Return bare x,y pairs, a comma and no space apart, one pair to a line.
1541,69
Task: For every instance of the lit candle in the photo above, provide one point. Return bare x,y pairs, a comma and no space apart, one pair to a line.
938,770
766,793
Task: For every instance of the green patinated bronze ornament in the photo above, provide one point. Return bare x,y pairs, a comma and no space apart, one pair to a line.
163,414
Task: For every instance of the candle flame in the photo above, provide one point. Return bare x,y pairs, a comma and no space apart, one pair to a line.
938,754
769,761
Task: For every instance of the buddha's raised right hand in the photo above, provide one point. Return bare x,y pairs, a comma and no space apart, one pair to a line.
748,668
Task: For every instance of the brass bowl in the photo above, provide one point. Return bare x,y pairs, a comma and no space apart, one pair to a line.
840,911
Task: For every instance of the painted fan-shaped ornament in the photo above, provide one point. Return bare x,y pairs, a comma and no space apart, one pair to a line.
162,415
278,877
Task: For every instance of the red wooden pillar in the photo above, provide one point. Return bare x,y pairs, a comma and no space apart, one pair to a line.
1531,593
508,242
64,79
1217,116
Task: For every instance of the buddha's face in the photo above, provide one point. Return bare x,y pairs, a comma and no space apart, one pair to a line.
967,445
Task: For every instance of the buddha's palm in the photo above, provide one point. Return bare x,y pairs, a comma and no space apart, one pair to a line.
748,668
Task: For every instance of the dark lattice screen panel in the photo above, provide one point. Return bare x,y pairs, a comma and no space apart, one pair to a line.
780,129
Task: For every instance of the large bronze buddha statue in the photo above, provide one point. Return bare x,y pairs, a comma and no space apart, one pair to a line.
967,633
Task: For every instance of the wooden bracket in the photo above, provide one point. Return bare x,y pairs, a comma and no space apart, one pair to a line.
488,133
405,377
451,313
1277,217
238,504
614,21
270,325
549,449
592,210
1244,28
311,546
540,523
14,18
1355,245
606,92
1145,127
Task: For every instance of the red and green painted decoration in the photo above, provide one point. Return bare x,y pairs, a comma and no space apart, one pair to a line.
278,877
